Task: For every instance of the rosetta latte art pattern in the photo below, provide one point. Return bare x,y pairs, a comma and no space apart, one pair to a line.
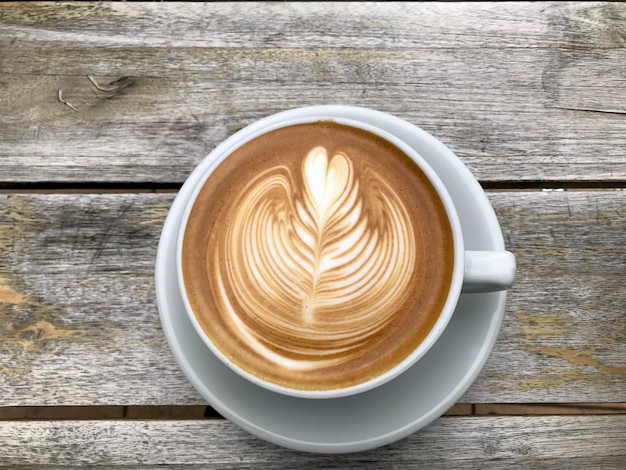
309,273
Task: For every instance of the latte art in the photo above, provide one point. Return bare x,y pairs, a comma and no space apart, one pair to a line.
317,256
320,267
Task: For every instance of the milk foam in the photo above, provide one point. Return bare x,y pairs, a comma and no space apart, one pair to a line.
320,260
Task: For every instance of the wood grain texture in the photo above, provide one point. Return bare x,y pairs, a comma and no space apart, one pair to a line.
471,442
79,325
336,24
565,329
521,92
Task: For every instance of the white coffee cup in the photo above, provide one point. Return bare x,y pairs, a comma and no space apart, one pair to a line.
473,271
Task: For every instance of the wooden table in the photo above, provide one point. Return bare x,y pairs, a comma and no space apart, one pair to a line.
106,108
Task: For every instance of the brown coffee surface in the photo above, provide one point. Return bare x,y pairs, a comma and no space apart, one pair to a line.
317,256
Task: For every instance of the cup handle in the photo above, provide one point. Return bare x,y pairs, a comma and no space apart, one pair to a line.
488,271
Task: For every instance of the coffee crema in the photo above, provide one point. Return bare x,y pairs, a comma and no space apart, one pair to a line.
317,256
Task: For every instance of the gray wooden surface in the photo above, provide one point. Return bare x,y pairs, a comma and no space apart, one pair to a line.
479,442
522,92
103,106
80,325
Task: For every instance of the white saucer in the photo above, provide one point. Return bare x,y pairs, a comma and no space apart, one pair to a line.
389,412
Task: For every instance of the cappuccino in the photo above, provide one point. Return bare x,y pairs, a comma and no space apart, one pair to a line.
317,256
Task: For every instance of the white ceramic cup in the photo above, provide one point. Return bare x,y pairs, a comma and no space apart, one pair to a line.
473,271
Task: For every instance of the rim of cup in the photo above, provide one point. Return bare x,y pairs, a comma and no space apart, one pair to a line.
245,135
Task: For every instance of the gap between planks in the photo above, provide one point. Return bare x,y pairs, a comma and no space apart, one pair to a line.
201,411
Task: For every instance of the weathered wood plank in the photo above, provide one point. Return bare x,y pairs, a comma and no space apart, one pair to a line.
543,101
334,25
159,129
79,325
565,320
470,442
